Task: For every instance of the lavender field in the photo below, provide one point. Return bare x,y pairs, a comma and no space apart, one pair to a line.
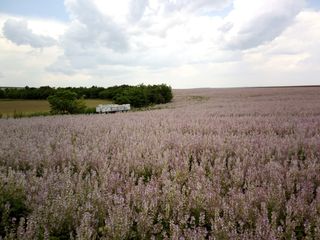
213,164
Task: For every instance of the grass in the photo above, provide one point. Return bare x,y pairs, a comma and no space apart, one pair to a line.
95,102
9,107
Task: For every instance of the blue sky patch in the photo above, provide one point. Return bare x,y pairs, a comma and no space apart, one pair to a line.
315,4
35,8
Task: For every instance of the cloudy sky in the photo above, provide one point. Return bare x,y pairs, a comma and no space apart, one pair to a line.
183,43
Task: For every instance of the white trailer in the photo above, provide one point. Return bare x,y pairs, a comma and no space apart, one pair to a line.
112,108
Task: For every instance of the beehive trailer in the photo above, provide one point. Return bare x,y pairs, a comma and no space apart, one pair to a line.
112,108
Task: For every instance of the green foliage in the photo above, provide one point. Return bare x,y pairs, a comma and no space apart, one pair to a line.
66,101
12,206
1,93
27,93
112,92
144,173
89,111
138,96
122,99
166,92
18,114
141,95
301,154
70,100
38,114
300,232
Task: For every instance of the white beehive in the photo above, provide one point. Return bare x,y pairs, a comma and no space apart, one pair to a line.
112,108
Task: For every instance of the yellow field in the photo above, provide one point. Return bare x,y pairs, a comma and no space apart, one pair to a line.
8,107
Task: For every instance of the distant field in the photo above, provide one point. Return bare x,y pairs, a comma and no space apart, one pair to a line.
30,106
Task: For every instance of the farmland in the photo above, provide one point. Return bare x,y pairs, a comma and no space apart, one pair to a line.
8,107
213,164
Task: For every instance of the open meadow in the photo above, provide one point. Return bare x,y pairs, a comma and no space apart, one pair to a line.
213,164
8,107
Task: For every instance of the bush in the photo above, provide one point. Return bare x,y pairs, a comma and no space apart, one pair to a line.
137,97
89,111
65,101
142,96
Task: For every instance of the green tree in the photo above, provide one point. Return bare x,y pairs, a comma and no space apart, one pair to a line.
1,93
139,96
166,92
66,101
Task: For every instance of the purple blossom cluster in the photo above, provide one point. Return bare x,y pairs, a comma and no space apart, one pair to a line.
215,164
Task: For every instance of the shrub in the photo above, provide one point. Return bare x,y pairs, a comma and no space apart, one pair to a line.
65,101
142,96
89,110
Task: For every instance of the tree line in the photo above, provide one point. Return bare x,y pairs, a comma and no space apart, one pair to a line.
44,92
138,96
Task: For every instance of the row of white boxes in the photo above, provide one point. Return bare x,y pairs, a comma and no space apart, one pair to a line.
112,108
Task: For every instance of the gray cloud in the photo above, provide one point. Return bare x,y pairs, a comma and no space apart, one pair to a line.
92,39
264,29
137,8
62,66
19,33
262,25
92,29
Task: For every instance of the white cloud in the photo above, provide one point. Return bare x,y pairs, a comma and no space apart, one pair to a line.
19,33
